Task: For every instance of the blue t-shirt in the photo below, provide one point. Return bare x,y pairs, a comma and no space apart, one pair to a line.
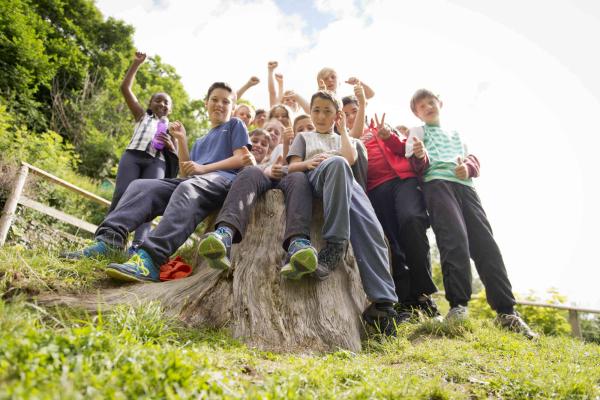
219,144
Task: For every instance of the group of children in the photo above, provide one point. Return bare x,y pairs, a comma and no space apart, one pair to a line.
374,182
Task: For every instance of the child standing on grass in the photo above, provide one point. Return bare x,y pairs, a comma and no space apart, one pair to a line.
251,183
326,158
458,220
142,159
394,192
209,169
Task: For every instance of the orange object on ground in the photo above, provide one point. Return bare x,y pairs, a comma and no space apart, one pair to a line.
175,269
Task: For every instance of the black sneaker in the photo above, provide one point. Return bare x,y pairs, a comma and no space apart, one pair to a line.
425,305
513,322
386,320
329,258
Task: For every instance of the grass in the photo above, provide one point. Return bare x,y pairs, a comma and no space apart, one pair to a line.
139,353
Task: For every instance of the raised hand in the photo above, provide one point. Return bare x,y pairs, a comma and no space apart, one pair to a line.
461,171
139,57
177,130
321,84
418,148
353,80
279,77
253,81
277,168
383,130
272,65
359,92
247,157
288,134
340,123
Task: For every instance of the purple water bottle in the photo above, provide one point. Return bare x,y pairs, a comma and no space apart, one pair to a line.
161,127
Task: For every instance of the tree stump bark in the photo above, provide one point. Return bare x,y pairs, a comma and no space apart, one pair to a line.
259,307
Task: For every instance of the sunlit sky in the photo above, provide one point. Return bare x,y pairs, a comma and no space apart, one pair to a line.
519,79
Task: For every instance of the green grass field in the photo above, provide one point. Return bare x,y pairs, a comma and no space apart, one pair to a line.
65,353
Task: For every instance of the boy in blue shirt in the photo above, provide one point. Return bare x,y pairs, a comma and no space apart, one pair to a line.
208,172
461,228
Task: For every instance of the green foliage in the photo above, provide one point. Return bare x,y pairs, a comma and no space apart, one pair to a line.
590,328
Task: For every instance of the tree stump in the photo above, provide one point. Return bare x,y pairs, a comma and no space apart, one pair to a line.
251,300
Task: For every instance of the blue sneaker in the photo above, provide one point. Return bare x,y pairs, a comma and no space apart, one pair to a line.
216,248
301,259
96,249
139,268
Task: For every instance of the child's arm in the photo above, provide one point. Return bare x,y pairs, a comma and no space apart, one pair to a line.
279,79
467,167
369,93
288,137
253,81
241,158
419,160
302,103
347,149
359,121
132,102
296,164
177,130
271,83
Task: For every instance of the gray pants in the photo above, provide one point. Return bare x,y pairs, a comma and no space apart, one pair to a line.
135,164
183,203
348,215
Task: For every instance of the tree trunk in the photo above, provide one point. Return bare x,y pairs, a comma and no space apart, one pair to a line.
251,300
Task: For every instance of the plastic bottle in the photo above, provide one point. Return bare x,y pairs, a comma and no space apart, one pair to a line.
161,127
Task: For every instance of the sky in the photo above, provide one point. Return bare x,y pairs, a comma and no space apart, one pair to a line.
518,79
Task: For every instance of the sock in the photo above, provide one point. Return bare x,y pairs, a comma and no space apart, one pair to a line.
224,230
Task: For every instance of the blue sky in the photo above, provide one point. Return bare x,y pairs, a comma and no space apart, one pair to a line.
519,80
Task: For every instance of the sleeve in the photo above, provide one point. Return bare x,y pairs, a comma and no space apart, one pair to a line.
395,144
473,165
195,152
298,148
239,135
419,165
418,132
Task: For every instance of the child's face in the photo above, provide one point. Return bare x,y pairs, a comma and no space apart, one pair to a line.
260,119
330,79
350,110
281,115
323,115
260,146
275,128
160,104
304,125
289,101
244,114
428,110
219,106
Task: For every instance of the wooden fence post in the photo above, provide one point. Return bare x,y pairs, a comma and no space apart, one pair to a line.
8,214
574,321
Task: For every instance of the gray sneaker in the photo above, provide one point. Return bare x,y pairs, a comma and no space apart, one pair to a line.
329,258
514,322
457,314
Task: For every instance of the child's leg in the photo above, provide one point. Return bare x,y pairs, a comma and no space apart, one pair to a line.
129,170
152,168
450,231
486,254
401,210
370,250
245,190
332,180
190,203
298,206
143,201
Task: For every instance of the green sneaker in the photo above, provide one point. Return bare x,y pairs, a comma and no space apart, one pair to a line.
301,259
139,268
215,247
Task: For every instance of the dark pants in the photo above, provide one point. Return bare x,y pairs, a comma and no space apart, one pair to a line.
463,232
183,203
135,164
250,184
400,208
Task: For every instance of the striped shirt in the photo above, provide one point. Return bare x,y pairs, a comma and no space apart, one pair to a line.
143,132
308,144
444,147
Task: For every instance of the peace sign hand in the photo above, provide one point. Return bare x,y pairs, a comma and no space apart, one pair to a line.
383,130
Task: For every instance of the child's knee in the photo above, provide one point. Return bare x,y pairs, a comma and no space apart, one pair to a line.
337,163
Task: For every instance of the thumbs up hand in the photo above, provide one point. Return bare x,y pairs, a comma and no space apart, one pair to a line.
276,171
247,157
418,148
461,171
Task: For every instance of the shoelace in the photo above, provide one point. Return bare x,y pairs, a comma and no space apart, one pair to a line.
139,263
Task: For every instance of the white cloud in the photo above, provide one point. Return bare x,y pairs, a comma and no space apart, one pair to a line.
522,102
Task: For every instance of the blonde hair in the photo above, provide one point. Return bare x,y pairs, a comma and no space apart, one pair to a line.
324,72
249,107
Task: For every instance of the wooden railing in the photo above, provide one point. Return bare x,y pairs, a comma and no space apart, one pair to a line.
16,197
